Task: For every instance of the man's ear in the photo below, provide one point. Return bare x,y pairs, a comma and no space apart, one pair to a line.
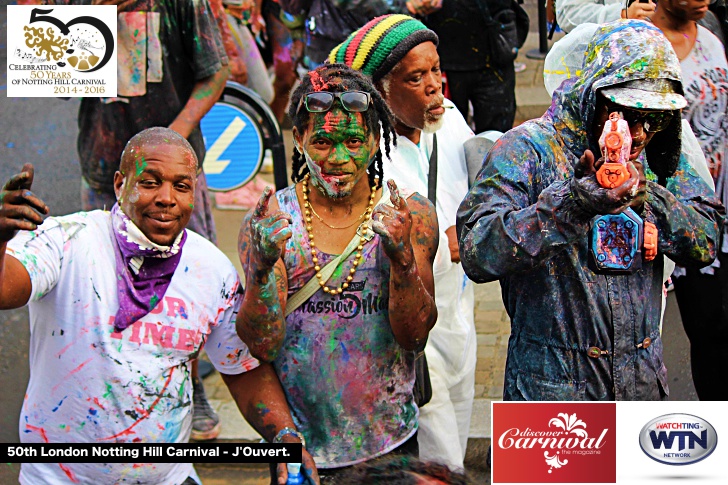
297,141
379,85
118,184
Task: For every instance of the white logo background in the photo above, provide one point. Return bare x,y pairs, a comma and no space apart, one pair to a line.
56,64
633,466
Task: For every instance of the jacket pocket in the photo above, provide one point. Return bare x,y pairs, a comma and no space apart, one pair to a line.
539,388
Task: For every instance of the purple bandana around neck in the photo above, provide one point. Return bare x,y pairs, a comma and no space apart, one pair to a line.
144,269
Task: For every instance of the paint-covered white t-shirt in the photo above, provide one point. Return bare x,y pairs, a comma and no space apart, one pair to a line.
705,82
91,384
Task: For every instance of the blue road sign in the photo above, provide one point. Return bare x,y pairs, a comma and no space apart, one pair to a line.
234,147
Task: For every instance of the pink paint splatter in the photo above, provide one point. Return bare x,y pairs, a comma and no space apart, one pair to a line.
317,81
71,373
71,476
63,350
38,430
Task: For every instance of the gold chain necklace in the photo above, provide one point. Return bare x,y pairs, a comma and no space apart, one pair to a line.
308,209
329,225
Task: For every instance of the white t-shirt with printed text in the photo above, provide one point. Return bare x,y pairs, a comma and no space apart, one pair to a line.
91,384
705,82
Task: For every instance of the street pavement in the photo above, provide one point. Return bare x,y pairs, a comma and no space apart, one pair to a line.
43,131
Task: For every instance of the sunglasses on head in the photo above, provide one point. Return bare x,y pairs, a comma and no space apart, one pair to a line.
652,121
322,101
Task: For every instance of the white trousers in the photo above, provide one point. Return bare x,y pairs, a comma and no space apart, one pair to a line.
445,420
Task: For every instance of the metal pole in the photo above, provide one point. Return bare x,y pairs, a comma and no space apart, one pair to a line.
543,45
274,140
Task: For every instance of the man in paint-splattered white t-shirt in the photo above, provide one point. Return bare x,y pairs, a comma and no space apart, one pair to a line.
120,302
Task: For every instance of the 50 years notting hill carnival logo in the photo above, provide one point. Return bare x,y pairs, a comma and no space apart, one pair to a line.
678,439
538,442
61,51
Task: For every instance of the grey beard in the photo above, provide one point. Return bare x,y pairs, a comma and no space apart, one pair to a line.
433,126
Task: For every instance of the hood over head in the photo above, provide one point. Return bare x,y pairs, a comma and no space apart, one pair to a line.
620,52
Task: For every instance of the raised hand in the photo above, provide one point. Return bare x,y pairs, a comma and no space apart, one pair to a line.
20,209
394,225
268,233
594,198
639,10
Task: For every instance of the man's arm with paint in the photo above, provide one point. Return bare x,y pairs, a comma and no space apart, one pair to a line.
261,320
238,70
204,95
508,223
410,235
20,210
261,400
688,216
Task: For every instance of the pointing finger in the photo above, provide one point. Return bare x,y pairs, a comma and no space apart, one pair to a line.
394,194
28,168
261,208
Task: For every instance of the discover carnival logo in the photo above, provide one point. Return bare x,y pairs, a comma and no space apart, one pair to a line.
556,443
678,439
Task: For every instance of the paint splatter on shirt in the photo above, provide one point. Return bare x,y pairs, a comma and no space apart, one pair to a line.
705,75
94,385
347,380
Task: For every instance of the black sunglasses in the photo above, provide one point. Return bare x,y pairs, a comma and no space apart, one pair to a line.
322,101
652,121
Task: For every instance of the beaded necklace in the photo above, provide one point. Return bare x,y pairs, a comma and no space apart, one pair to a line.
308,209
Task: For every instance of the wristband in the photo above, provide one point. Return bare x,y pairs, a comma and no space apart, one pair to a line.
287,431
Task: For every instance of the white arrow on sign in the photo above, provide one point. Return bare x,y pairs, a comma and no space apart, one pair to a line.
212,165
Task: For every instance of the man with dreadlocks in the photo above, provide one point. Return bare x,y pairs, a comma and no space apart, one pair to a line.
400,55
577,334
341,330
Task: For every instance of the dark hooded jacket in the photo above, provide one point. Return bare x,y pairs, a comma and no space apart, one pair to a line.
520,224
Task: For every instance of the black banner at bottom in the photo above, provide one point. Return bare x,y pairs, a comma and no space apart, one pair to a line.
150,453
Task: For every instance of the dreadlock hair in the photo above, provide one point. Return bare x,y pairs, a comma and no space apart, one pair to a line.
339,78
401,470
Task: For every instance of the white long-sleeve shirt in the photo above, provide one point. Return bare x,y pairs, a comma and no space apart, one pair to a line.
570,13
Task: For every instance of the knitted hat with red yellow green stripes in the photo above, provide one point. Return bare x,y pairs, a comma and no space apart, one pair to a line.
378,46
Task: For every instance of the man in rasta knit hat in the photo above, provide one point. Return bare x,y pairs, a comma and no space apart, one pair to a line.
577,334
400,55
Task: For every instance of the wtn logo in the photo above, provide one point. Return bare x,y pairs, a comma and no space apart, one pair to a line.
665,439
678,439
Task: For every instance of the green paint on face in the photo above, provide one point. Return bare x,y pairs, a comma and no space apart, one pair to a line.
338,148
140,166
108,390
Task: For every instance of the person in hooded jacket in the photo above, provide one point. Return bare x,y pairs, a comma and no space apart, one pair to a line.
576,334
